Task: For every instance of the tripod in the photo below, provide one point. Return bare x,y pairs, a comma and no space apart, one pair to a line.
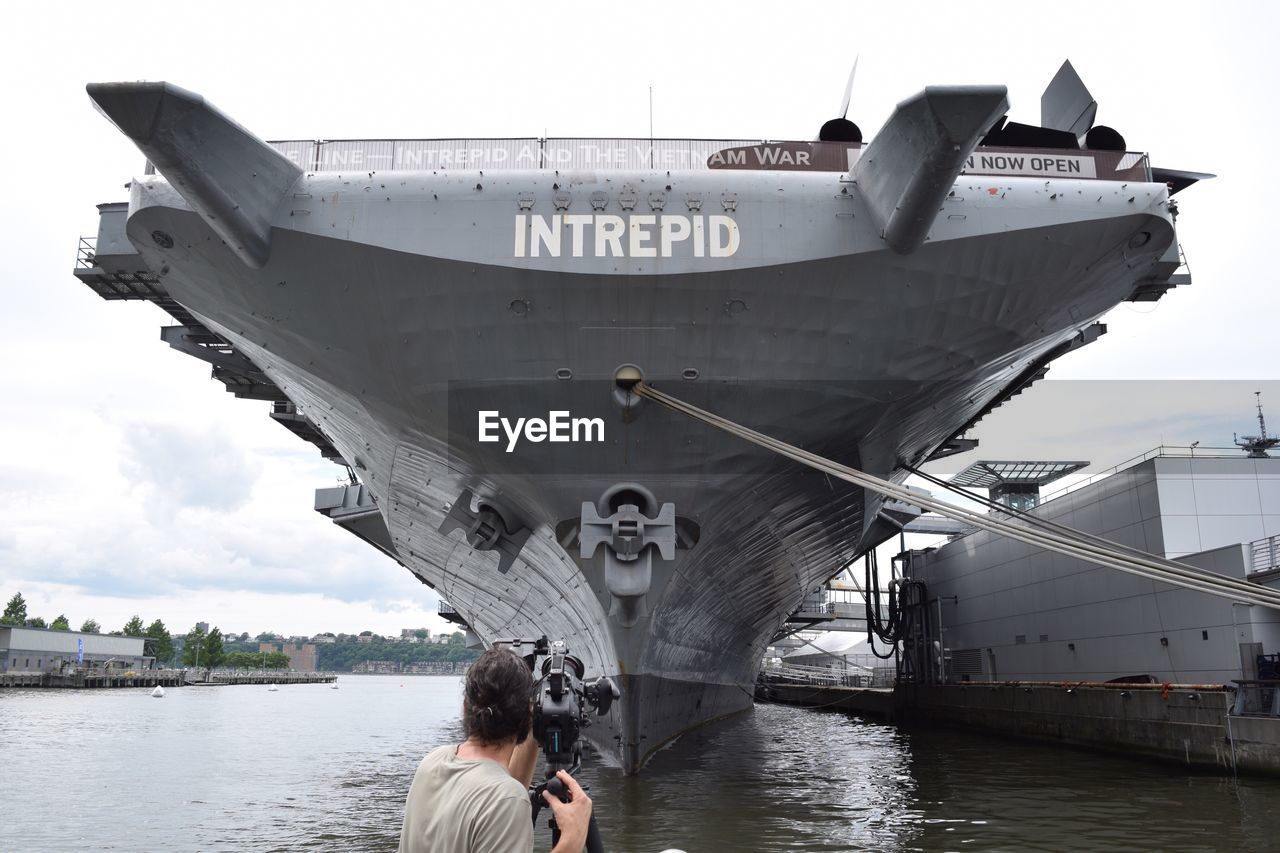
557,789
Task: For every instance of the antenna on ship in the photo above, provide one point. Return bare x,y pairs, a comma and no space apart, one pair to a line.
1257,445
650,125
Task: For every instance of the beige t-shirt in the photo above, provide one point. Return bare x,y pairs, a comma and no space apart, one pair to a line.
458,805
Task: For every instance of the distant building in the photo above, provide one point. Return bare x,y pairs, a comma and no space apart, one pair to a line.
324,639
364,638
410,635
202,627
302,656
380,667
436,667
43,650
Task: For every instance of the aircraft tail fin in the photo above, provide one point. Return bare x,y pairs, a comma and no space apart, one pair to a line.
233,179
1066,103
910,166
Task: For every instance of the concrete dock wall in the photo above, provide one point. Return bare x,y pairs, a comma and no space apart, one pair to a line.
1188,726
871,701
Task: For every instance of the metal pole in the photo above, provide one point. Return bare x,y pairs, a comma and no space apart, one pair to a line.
942,675
651,126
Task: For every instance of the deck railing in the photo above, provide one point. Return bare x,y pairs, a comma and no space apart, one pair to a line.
1265,554
1164,450
86,253
600,153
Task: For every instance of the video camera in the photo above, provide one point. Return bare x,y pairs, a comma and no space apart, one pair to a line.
559,716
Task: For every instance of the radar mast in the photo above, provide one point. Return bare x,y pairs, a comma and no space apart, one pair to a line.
1257,445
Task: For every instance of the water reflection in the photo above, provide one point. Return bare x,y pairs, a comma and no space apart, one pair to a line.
238,768
776,779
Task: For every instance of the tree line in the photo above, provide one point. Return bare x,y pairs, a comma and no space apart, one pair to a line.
156,641
198,648
15,613
341,657
211,649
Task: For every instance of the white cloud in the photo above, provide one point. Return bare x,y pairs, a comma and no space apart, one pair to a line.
233,610
176,467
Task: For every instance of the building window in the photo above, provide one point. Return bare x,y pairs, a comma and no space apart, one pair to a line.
28,663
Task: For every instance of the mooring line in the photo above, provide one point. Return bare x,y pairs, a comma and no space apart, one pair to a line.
1074,544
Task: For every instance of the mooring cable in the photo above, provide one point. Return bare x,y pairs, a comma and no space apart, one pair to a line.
1039,521
1073,544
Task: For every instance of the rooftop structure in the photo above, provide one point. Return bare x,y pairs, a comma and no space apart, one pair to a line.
1015,484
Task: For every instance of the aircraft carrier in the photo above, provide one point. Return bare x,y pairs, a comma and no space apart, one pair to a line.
450,319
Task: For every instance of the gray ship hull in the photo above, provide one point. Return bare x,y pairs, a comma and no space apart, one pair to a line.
381,333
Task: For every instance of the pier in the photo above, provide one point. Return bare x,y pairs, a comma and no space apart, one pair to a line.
84,679
1191,724
1197,725
81,679
876,702
856,692
264,676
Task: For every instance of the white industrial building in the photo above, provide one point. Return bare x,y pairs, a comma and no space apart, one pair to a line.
45,650
1009,611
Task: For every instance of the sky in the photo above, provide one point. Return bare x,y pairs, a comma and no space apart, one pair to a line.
133,483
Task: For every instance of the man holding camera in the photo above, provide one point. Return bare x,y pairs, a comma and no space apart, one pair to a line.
473,797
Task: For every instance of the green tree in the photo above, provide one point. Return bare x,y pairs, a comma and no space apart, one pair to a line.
15,612
133,628
61,623
459,653
91,626
193,649
422,633
267,637
340,657
457,639
242,660
257,660
213,653
161,645
36,622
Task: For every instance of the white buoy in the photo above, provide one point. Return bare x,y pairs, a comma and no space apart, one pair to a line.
333,687
273,689
158,693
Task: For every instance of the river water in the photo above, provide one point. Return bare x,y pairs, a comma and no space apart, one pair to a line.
308,767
